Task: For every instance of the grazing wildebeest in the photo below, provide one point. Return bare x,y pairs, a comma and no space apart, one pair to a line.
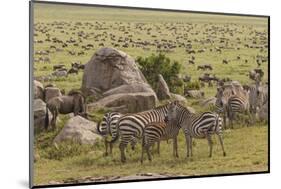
60,73
224,61
58,66
72,70
191,62
74,102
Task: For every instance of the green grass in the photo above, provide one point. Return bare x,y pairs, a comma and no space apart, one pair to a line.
246,150
246,147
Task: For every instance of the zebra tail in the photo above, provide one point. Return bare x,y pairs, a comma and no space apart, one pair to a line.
99,131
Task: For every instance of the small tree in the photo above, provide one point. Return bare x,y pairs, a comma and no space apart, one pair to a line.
160,64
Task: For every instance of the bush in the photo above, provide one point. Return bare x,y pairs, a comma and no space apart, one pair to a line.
195,85
160,64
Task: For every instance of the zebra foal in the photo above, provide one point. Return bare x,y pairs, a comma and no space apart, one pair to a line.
199,126
156,132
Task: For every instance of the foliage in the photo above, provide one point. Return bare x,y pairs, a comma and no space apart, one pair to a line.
194,85
160,64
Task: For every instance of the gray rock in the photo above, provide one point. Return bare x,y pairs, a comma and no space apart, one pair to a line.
79,130
38,90
178,97
194,94
209,102
110,68
126,102
51,92
131,88
162,91
39,112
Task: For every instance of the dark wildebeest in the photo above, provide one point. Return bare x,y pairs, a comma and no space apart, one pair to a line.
58,66
224,61
72,70
74,102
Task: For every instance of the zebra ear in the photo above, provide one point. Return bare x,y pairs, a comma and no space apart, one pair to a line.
176,102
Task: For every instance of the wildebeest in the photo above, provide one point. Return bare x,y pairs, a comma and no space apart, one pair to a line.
205,67
60,73
72,70
58,66
74,102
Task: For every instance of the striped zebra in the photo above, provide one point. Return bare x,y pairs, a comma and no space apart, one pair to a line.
238,104
108,128
201,125
156,132
131,126
258,95
223,94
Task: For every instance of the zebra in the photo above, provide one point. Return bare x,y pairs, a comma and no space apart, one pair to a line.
224,93
200,125
222,96
131,126
157,131
108,128
238,104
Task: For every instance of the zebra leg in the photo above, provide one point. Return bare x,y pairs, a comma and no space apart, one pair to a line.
175,147
133,144
190,146
106,147
187,139
224,121
148,152
210,142
142,151
110,147
123,144
158,147
221,142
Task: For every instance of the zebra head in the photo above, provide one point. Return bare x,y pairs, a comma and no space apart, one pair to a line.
172,111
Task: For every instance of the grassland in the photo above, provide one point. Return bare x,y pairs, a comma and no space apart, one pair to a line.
246,147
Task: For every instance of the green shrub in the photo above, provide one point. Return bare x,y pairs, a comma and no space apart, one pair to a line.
194,85
160,64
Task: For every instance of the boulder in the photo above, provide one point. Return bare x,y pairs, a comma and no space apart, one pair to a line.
109,68
131,88
162,91
126,102
208,102
80,130
194,94
39,113
178,97
51,92
38,90
114,80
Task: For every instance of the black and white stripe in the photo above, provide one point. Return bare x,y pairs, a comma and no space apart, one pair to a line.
238,104
108,128
156,132
131,126
201,125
